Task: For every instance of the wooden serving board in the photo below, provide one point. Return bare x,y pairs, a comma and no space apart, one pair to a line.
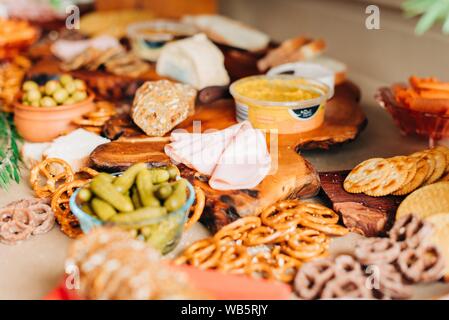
369,216
292,175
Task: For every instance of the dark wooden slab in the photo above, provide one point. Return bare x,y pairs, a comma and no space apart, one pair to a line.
370,216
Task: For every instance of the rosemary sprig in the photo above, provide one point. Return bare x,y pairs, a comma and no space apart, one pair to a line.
9,152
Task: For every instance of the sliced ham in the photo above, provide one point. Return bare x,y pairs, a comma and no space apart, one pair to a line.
233,158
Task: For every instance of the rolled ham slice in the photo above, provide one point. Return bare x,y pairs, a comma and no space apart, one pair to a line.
233,158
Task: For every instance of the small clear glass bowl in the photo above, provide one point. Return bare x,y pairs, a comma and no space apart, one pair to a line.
163,233
430,125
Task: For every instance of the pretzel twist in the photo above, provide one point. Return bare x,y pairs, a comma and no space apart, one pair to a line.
61,208
52,176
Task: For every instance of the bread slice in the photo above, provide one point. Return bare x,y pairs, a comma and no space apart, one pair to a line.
75,147
159,106
229,32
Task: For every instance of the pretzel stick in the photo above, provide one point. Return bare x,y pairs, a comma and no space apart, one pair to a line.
199,208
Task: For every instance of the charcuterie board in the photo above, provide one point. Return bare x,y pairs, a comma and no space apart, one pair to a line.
293,175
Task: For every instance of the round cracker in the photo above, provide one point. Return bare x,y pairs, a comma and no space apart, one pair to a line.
367,175
445,178
440,236
430,162
394,179
410,164
426,201
422,168
440,165
444,150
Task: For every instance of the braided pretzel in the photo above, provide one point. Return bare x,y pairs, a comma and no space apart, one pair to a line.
282,215
203,254
61,208
237,229
317,213
47,170
234,260
305,244
285,266
261,269
332,229
321,218
264,235
198,210
424,264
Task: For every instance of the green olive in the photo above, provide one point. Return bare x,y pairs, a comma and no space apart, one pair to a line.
48,102
60,95
80,84
70,87
33,95
35,103
30,85
79,96
51,86
66,79
69,101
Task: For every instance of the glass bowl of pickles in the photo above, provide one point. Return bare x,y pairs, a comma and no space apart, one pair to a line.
153,203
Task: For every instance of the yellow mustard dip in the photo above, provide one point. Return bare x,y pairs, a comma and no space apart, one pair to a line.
276,90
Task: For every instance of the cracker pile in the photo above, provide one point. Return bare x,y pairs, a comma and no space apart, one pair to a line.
11,77
271,246
399,175
382,268
113,265
54,179
93,121
114,60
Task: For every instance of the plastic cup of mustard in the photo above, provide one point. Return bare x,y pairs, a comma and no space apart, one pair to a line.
286,103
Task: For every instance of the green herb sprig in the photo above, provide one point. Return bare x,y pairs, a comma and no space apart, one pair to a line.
9,152
431,12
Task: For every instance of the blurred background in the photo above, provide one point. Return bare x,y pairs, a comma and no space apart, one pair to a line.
374,57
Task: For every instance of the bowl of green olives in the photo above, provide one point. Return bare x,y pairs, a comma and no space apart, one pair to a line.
153,203
48,104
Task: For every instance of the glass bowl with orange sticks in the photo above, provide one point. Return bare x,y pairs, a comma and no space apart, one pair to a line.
421,108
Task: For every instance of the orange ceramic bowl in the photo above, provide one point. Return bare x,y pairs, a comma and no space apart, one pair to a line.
44,124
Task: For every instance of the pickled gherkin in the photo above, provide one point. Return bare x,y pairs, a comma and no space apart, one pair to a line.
126,180
106,191
102,209
145,188
179,196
